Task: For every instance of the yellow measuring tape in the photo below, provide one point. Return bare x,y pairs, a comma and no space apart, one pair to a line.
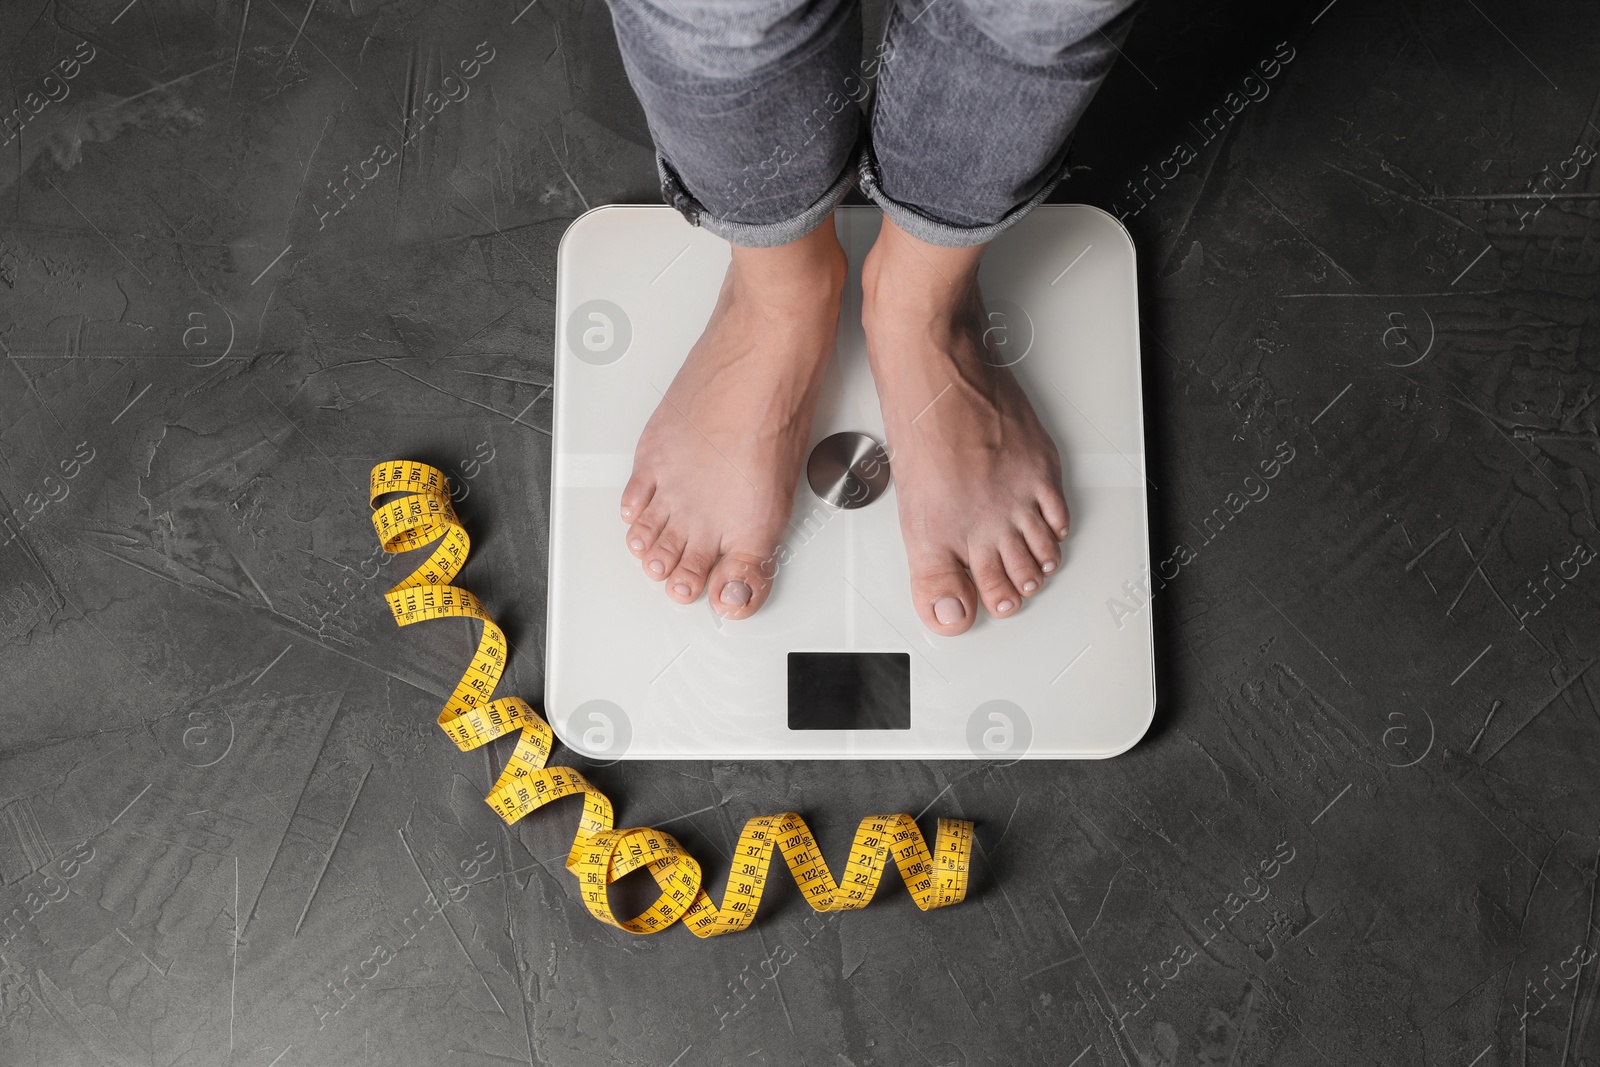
601,853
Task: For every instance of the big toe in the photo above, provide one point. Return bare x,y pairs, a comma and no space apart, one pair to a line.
740,584
944,596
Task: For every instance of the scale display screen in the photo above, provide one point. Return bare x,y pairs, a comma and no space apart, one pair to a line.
849,691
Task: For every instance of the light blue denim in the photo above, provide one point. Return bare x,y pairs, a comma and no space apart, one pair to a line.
756,108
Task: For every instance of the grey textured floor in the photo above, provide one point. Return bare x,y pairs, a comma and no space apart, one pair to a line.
1363,829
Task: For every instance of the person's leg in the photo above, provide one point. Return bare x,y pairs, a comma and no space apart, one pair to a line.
976,105
752,109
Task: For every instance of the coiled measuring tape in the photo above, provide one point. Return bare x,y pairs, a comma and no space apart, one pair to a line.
600,852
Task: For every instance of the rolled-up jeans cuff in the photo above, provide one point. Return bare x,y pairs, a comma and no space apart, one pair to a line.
944,234
752,234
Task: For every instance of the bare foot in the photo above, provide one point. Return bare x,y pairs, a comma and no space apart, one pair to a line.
977,477
715,471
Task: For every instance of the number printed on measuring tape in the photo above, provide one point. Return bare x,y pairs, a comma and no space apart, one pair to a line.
601,853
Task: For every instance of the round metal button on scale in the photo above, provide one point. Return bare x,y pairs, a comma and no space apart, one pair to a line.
848,470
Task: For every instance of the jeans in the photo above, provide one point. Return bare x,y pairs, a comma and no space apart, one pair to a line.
755,107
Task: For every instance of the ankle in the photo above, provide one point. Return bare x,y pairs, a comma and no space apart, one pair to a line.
907,273
794,275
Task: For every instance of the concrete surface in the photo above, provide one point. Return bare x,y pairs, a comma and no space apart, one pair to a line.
1363,830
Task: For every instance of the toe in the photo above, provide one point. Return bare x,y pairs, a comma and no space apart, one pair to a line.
689,577
636,496
1041,541
1021,567
740,584
943,595
663,556
994,585
1054,510
646,529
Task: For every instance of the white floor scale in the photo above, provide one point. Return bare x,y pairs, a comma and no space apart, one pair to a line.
837,664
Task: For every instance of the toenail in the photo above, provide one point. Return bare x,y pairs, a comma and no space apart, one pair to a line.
1004,606
1062,533
948,609
627,512
682,588
656,567
736,593
1048,567
636,544
1029,586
